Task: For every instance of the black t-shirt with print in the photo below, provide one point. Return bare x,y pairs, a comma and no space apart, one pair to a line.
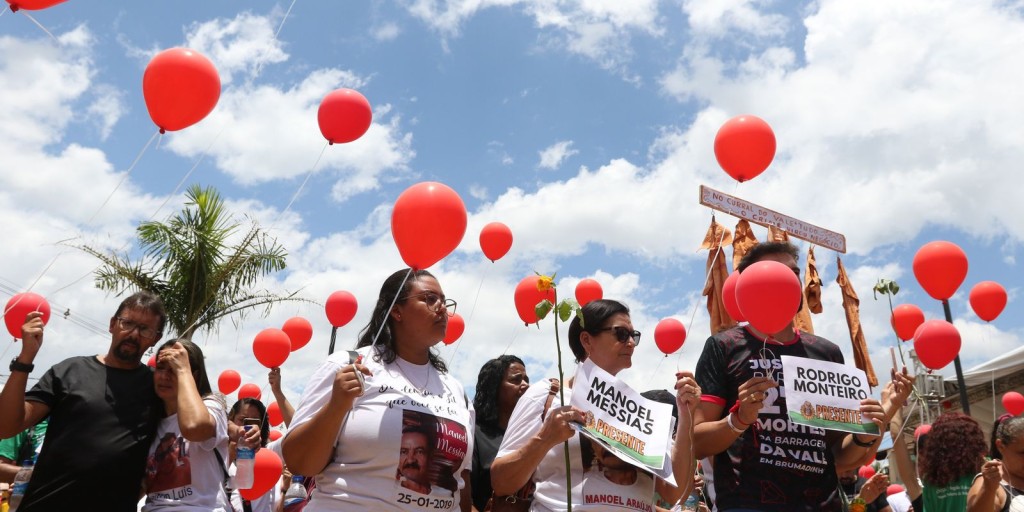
775,465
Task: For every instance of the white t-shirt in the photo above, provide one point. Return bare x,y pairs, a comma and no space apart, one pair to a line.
590,490
368,468
183,475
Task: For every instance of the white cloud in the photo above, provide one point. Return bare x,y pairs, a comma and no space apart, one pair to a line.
245,43
386,32
727,16
553,156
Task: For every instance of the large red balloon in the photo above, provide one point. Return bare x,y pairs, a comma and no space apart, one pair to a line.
527,297
271,347
729,297
250,391
588,290
988,298
275,435
768,294
18,308
940,267
33,5
669,335
274,415
1013,402
267,472
495,240
744,147
456,326
866,472
906,318
181,87
428,223
344,116
229,381
299,332
937,343
341,307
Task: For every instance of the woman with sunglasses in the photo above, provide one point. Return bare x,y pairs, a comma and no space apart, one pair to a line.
385,427
532,447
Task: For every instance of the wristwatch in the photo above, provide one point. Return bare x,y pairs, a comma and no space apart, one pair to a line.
18,366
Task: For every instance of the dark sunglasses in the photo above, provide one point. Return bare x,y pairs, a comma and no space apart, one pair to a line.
622,334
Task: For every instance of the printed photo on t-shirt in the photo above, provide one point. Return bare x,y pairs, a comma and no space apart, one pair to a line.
611,483
168,467
431,450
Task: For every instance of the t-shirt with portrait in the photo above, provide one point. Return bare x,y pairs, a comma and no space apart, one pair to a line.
404,444
186,475
591,489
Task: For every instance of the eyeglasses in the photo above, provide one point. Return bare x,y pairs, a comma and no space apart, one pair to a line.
622,334
433,300
146,332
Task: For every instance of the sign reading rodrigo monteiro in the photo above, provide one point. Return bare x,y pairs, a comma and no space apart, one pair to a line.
634,428
826,395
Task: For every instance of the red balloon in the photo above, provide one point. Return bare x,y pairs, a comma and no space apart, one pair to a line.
456,326
274,415
905,320
866,472
588,290
988,299
428,223
229,381
181,87
940,267
271,347
894,489
250,391
152,361
33,5
267,472
18,308
921,430
275,435
729,297
669,335
341,308
1013,402
744,147
937,343
495,240
527,297
344,116
299,332
768,294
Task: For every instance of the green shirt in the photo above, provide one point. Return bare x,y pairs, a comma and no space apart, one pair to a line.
13,447
952,498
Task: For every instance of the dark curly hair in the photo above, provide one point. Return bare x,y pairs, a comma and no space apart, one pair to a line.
956,447
492,373
595,314
392,288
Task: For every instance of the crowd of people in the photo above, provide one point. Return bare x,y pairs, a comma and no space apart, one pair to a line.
386,427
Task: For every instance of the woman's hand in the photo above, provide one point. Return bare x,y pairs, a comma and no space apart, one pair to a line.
874,487
348,383
556,428
991,471
687,392
751,396
175,359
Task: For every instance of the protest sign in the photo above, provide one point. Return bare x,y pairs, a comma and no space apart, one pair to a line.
826,395
635,428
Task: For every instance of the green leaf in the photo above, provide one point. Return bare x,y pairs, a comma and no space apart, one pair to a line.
543,308
564,310
579,314
893,287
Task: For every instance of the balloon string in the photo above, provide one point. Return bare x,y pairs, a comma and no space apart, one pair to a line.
3,11
649,381
451,360
302,186
41,27
707,277
515,332
259,64
383,321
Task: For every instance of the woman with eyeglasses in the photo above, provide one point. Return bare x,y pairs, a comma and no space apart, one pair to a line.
385,427
532,446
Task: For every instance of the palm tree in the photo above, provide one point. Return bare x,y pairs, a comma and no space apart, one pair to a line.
188,262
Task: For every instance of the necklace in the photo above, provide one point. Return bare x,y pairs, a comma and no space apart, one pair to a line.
422,389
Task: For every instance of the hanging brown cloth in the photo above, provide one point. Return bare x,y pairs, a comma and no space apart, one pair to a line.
717,271
812,284
851,304
742,242
777,234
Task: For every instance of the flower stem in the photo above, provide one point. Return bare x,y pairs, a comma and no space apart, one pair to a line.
561,399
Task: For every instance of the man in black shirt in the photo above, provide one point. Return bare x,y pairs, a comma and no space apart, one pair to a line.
102,409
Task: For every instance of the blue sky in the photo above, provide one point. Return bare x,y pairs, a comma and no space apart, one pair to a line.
586,126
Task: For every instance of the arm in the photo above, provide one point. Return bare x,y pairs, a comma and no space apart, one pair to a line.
194,419
287,411
712,433
513,470
850,453
466,493
16,413
8,470
904,467
986,494
683,460
308,447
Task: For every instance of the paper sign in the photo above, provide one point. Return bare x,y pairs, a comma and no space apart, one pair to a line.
635,428
826,395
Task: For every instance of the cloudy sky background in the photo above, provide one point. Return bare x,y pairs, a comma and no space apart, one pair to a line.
586,126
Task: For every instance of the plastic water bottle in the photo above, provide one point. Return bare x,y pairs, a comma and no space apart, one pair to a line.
245,462
20,484
691,502
296,492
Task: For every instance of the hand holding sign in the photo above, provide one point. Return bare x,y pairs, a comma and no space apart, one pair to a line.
751,397
556,428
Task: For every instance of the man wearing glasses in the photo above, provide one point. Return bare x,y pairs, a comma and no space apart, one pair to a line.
102,409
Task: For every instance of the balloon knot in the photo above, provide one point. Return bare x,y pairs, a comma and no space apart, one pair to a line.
14,7
162,131
330,142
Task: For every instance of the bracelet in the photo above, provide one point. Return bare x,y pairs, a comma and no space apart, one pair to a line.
740,421
728,419
858,442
